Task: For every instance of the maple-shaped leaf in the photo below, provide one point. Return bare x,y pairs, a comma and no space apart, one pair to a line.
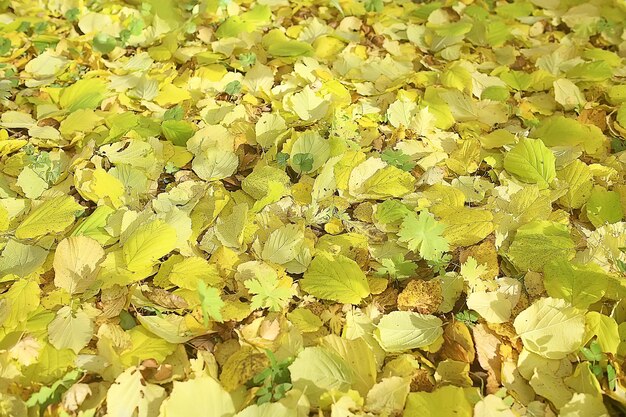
398,159
424,234
396,267
269,292
210,302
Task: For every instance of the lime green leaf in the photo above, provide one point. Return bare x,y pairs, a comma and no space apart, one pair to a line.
447,401
604,206
581,285
19,302
578,177
531,161
51,364
538,243
283,244
169,327
269,292
551,328
210,302
518,80
617,94
70,330
289,48
404,330
424,234
317,370
335,277
563,131
387,182
359,356
605,329
246,22
147,244
466,226
145,345
94,225
51,216
199,396
84,94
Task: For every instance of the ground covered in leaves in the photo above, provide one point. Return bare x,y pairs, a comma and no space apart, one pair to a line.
312,208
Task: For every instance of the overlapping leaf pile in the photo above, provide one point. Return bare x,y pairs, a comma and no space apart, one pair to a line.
332,207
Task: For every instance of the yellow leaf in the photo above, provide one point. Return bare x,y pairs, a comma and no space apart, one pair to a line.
76,263
147,244
52,216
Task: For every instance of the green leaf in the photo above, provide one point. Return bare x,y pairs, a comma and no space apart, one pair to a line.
424,234
374,5
580,285
104,43
519,80
147,244
398,159
551,328
177,131
51,395
335,277
233,88
289,48
174,113
5,46
532,162
404,330
303,162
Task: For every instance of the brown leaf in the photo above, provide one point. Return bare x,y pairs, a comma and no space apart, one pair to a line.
487,349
